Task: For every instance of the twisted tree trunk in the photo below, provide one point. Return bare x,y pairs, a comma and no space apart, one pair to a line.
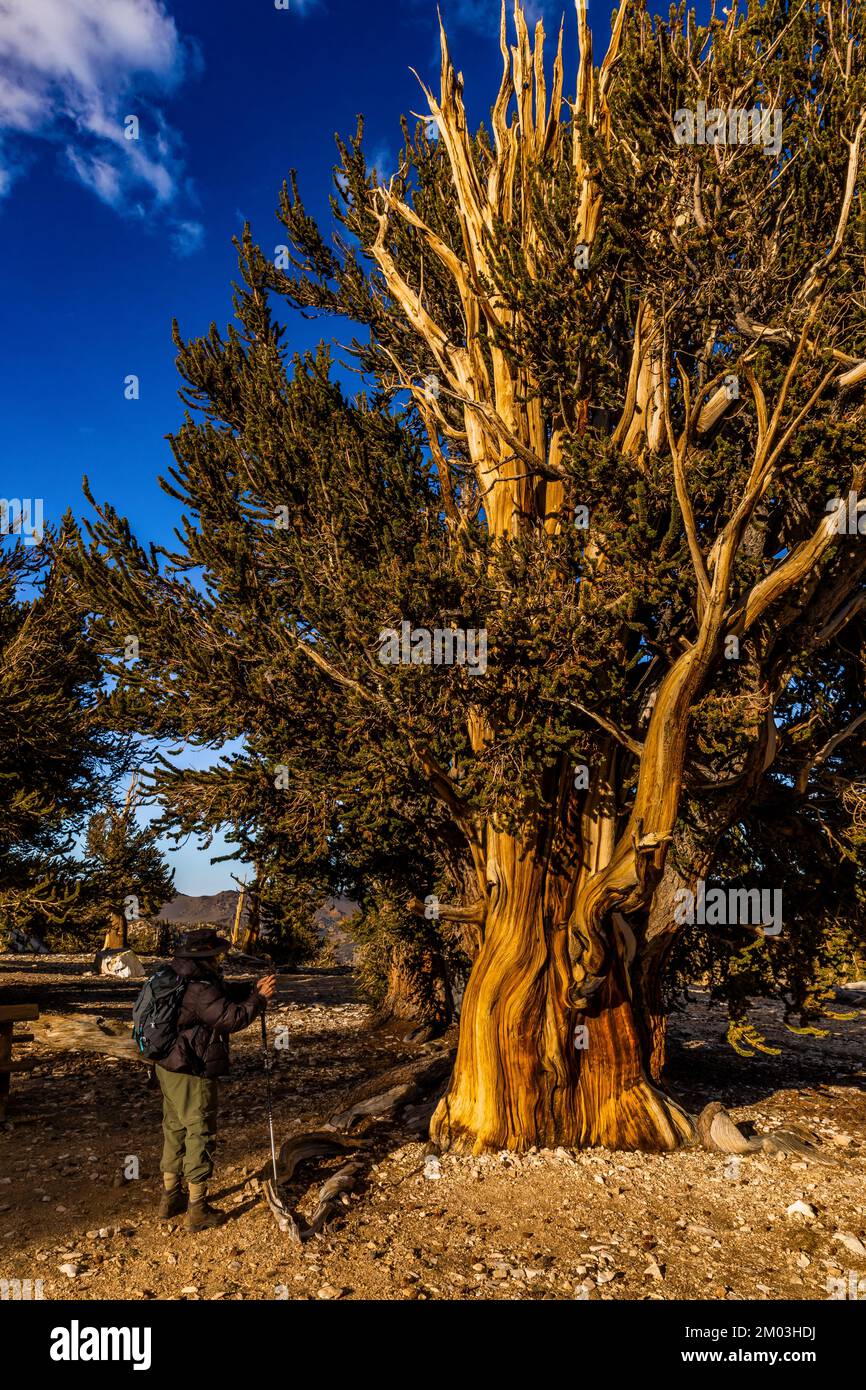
559,955
530,1069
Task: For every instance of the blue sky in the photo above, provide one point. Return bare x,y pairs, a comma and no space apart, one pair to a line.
104,239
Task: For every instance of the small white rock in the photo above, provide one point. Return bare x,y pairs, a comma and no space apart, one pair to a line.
851,1243
803,1209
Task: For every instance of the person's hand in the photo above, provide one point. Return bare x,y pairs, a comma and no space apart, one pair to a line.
267,986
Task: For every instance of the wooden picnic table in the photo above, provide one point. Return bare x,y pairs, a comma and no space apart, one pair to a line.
9,1015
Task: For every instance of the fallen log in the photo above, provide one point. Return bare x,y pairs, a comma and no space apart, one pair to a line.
87,1033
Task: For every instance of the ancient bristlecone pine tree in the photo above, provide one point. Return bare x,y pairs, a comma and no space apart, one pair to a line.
562,900
633,367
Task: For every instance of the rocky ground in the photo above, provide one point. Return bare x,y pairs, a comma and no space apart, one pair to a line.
560,1225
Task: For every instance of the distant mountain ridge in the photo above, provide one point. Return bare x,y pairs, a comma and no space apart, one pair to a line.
218,910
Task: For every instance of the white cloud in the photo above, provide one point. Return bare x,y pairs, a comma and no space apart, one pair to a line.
187,237
538,9
100,176
71,73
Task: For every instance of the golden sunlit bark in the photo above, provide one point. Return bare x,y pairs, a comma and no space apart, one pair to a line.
530,1070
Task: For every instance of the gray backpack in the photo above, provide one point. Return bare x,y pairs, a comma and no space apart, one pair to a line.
155,1013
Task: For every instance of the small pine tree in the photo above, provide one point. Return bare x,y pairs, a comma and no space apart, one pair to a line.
124,874
58,755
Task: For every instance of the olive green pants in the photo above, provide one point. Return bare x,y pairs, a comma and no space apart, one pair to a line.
189,1124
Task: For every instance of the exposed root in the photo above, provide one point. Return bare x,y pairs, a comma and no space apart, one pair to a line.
380,1098
295,1152
317,1143
329,1204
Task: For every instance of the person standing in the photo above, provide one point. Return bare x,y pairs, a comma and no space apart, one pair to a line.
211,1010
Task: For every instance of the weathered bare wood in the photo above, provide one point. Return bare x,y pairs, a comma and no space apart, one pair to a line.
286,1220
295,1152
717,1132
87,1033
384,1103
9,1014
316,1144
407,1081
329,1198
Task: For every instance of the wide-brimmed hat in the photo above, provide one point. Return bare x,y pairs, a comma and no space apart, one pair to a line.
202,944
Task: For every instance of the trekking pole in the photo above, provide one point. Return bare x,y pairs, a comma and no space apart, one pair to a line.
267,1055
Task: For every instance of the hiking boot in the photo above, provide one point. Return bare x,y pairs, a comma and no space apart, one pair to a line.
201,1216
171,1204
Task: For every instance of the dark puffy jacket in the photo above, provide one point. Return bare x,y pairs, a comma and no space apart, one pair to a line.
209,1011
